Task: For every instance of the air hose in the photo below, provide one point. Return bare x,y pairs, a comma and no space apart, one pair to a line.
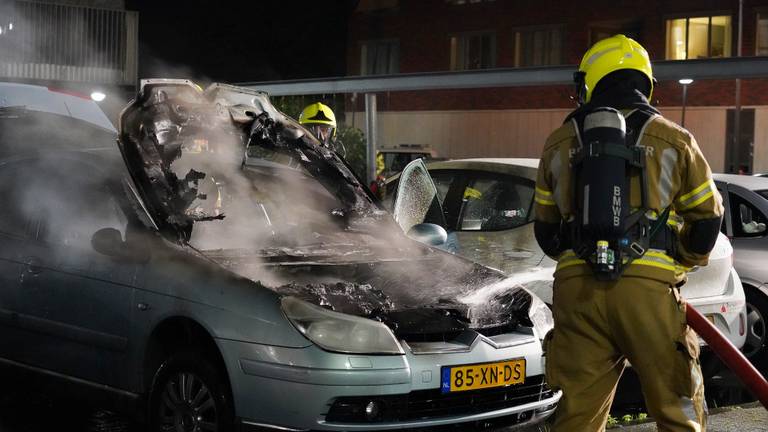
729,354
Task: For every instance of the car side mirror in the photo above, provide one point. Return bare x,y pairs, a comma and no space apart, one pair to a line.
109,241
428,233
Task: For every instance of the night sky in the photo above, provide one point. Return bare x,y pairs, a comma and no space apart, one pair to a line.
242,41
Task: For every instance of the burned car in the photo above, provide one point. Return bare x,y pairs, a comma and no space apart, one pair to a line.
224,269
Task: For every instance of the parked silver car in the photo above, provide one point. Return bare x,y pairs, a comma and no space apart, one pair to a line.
486,206
746,215
238,274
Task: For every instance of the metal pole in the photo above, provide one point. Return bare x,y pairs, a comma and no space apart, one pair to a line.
370,135
685,99
736,150
713,68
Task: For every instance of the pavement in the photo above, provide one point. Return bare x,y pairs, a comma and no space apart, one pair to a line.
36,416
751,417
22,412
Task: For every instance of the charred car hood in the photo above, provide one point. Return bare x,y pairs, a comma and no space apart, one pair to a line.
188,150
417,291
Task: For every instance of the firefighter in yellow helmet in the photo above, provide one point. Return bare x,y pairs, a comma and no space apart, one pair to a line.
321,121
626,204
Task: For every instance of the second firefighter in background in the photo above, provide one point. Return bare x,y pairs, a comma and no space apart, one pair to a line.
321,121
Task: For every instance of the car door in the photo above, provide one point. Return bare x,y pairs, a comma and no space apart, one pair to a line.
748,216
16,233
73,303
494,222
417,199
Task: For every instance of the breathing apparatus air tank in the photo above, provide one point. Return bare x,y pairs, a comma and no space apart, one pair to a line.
603,185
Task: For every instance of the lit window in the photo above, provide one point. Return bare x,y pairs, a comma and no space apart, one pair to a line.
381,57
699,37
761,47
473,51
539,47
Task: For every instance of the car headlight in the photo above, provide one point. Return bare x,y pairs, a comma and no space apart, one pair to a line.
541,317
340,332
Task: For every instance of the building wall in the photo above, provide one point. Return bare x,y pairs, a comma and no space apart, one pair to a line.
522,133
707,124
761,140
424,28
515,121
463,134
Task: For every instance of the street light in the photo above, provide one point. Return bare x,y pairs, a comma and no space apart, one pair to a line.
685,82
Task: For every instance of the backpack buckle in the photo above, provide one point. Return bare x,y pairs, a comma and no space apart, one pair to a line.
637,248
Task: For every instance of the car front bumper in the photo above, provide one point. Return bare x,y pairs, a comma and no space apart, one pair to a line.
727,311
277,388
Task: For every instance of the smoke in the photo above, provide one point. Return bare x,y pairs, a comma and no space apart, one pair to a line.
67,47
59,39
153,65
285,215
60,187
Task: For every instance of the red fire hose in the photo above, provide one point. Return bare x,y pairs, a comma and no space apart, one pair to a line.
729,354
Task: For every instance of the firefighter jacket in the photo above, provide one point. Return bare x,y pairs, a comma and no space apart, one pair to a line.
678,177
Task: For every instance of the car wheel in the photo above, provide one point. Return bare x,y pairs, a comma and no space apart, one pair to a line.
189,394
757,312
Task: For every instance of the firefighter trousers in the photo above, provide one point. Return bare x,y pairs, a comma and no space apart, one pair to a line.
599,326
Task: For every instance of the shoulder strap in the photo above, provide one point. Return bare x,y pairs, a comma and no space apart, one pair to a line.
637,121
577,129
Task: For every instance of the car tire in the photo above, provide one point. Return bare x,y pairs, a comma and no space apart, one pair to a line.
189,393
757,324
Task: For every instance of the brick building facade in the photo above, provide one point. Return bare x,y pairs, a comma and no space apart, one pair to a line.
408,36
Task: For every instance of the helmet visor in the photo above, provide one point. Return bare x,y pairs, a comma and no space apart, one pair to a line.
322,132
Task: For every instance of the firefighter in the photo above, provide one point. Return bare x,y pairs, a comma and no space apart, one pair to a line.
321,121
617,301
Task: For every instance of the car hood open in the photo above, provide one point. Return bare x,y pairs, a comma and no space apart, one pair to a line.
175,137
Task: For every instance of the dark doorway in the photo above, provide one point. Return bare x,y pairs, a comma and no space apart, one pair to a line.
739,155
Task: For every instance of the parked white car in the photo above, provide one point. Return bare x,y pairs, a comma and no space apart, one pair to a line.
486,207
746,216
